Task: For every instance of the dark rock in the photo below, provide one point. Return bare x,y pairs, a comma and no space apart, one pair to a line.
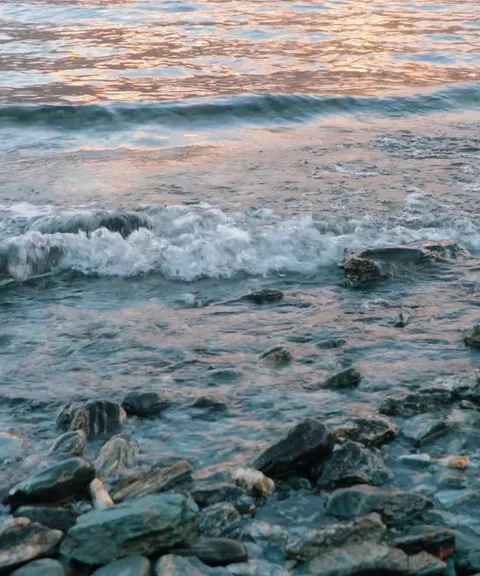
171,565
129,566
144,526
215,551
68,478
348,378
263,296
454,479
43,567
314,542
11,446
330,343
472,336
116,457
468,389
245,505
210,406
153,481
301,451
354,464
439,543
71,443
209,494
426,400
394,506
277,356
424,564
223,376
145,404
424,427
370,431
22,540
95,417
401,320
56,518
219,520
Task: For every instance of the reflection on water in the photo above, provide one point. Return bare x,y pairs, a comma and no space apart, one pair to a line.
169,50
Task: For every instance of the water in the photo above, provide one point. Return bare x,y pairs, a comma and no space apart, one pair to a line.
254,143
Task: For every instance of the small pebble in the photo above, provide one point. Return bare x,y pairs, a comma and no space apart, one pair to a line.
458,462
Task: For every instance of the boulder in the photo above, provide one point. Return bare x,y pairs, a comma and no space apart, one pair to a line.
116,457
144,526
171,565
43,567
370,430
129,566
69,444
56,518
219,520
394,506
215,551
301,451
277,356
95,417
348,378
420,402
424,427
22,541
472,336
314,542
354,464
208,494
145,404
68,478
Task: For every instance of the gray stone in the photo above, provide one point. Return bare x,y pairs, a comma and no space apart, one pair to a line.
415,460
301,451
116,457
354,464
277,356
210,406
424,427
420,402
43,567
70,443
392,505
171,565
348,378
370,430
215,551
144,526
454,479
245,505
129,566
145,404
11,446
264,296
314,542
221,519
424,564
95,417
401,320
450,499
257,568
265,534
330,343
207,494
22,540
472,336
68,478
56,518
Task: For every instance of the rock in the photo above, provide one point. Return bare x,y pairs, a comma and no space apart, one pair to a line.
362,559
210,406
171,565
456,462
215,551
11,446
95,417
68,478
455,479
330,343
354,464
439,543
314,542
56,518
209,494
348,378
153,481
401,320
426,400
22,540
370,431
43,567
424,427
451,499
416,460
71,443
116,457
129,566
394,506
472,336
143,526
253,481
301,451
219,520
257,568
245,505
424,564
265,534
277,356
263,296
145,404
100,497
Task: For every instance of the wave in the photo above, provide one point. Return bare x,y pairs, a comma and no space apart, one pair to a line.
250,109
187,243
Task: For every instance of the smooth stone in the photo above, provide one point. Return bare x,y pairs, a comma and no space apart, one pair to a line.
301,451
348,378
98,493
472,336
70,443
116,457
456,462
257,568
56,518
277,356
424,564
210,407
43,567
156,480
143,526
316,541
68,478
254,482
215,551
22,540
420,402
11,446
145,404
450,499
455,480
263,296
172,565
219,520
439,543
424,427
392,505
129,566
370,431
208,494
415,460
354,464
95,417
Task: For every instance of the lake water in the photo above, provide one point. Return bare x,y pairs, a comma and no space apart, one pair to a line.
259,140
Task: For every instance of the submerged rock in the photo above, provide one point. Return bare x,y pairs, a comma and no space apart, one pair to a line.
116,457
56,518
257,568
95,417
263,296
301,451
145,404
370,431
424,427
277,356
348,378
71,443
208,494
354,464
144,526
394,506
172,565
439,543
43,567
253,481
11,446
22,540
472,336
68,478
210,407
129,566
401,320
219,520
420,402
215,551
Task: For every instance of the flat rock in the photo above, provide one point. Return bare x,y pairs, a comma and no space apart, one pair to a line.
455,479
11,446
301,451
330,343
116,457
219,520
264,296
354,464
314,542
206,494
22,540
145,404
68,478
420,402
424,427
43,567
171,565
416,460
472,336
394,506
144,526
56,518
71,443
439,543
424,564
370,431
95,417
348,378
451,499
215,551
129,566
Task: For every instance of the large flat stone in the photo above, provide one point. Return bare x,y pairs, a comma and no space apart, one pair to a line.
215,551
43,567
129,566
